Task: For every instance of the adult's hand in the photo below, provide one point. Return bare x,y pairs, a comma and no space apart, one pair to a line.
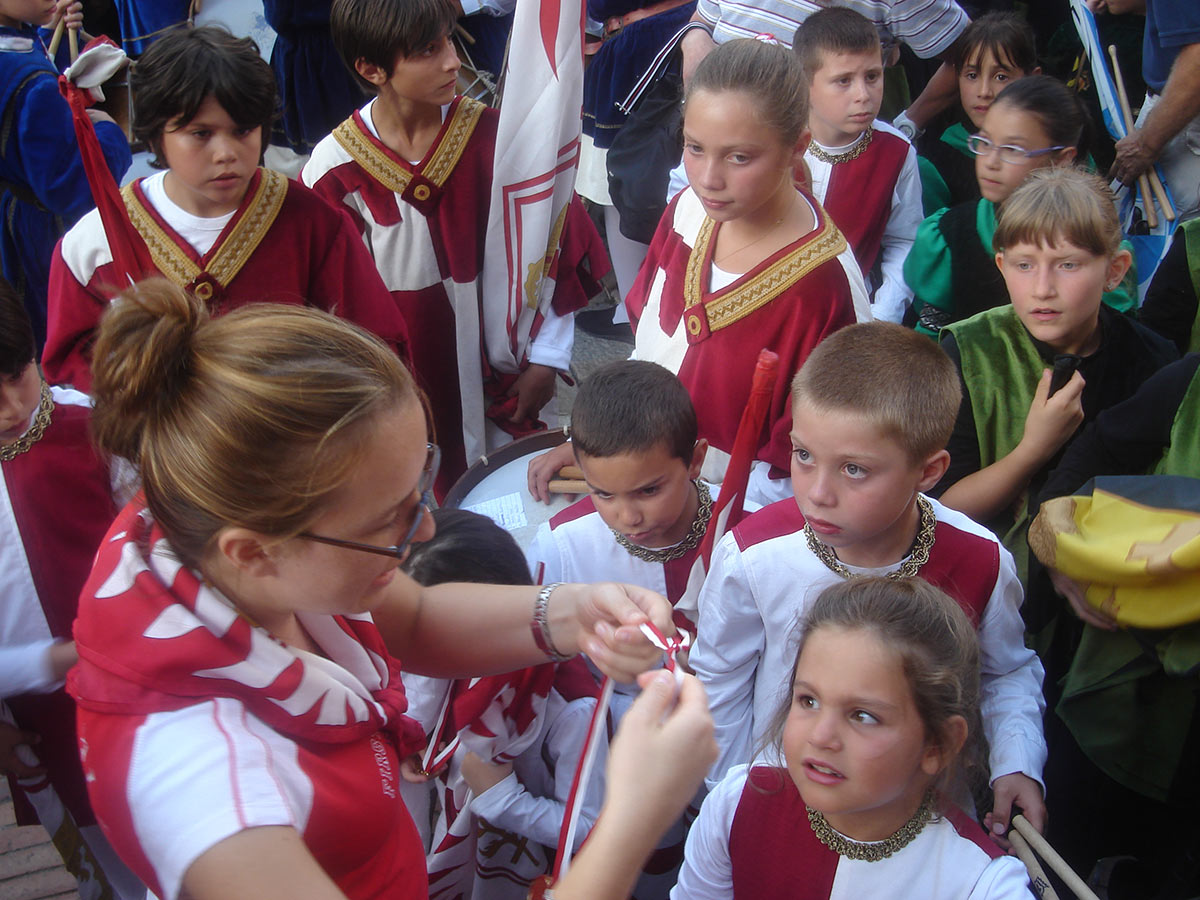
609,618
1074,593
696,45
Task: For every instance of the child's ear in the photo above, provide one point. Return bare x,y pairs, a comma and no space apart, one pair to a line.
1065,156
247,551
802,144
932,469
1000,260
371,72
942,750
698,453
1117,267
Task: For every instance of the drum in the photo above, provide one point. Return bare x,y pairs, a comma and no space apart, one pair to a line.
497,486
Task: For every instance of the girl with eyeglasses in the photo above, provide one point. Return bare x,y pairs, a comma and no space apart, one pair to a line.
241,712
1034,123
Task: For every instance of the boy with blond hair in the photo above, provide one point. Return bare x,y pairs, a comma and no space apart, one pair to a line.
864,172
872,408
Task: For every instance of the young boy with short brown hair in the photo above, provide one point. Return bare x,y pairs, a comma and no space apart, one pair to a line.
871,411
864,172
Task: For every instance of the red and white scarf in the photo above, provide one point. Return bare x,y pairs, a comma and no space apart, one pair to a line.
153,637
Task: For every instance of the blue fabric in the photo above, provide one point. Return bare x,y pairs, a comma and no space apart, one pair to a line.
491,37
621,61
316,90
40,155
142,17
1170,25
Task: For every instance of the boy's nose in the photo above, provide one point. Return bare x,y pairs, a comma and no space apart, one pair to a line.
820,491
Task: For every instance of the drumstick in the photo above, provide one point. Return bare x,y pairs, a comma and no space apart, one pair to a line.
1143,182
571,472
1156,185
73,42
1037,876
464,34
567,486
57,38
1052,859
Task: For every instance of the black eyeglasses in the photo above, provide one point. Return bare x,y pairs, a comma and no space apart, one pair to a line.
1009,153
433,461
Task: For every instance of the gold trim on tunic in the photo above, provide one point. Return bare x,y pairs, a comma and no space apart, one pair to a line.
384,169
736,302
172,261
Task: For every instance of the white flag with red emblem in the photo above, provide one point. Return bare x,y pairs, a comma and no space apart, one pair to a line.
533,177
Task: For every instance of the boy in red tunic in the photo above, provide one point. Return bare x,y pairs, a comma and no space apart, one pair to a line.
864,171
213,223
414,167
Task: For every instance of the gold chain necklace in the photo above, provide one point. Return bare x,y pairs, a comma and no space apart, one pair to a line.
910,567
31,437
853,153
875,850
695,533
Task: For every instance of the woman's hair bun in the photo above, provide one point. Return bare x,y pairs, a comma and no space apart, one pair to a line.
142,359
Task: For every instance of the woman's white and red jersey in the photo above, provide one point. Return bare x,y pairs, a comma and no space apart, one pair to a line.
760,581
753,841
710,334
875,199
195,725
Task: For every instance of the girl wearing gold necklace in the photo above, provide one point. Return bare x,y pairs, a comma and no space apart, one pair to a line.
882,715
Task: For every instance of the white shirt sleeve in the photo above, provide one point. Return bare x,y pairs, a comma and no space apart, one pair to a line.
707,872
1011,701
508,805
894,296
729,646
554,342
25,669
677,182
1005,878
544,557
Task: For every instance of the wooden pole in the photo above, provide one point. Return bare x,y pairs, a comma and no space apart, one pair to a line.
57,38
1143,182
1037,875
1052,859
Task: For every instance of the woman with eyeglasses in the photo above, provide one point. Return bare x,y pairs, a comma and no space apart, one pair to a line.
1033,123
241,714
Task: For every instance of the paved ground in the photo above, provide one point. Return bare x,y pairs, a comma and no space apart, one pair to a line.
30,867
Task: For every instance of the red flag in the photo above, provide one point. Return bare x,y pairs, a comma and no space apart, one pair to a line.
129,251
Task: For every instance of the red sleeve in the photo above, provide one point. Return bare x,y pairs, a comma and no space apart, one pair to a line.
635,301
582,261
73,311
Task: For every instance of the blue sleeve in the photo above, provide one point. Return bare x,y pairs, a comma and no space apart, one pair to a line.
49,152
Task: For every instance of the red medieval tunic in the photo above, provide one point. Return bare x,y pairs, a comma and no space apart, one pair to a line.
282,245
788,303
425,224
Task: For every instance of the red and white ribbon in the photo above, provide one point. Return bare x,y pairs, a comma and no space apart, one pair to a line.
671,647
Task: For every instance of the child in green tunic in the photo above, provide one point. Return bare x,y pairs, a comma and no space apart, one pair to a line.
1059,249
1035,123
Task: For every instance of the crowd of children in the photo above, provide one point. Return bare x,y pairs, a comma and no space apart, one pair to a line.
219,482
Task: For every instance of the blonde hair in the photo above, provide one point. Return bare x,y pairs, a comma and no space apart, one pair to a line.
934,641
251,419
1060,203
900,381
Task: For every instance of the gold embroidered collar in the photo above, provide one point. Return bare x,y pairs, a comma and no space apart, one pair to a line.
733,303
853,153
395,173
228,256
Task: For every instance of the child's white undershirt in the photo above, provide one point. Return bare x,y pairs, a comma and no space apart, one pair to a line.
199,231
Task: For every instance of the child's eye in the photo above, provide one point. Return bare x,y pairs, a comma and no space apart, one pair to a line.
693,149
854,470
651,491
1069,264
245,132
601,495
863,717
201,133
739,158
805,701
801,455
970,76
